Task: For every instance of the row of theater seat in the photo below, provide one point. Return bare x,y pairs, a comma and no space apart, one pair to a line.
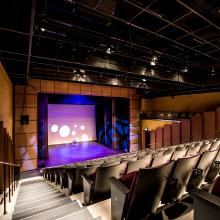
139,181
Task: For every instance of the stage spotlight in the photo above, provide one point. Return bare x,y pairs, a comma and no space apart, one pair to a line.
82,127
84,137
54,128
73,133
64,131
75,126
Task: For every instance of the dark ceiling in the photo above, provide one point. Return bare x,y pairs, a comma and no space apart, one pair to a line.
114,42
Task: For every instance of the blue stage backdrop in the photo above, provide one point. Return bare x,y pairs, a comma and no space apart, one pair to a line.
111,117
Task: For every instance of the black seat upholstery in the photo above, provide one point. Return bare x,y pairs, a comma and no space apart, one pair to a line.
143,198
202,168
96,187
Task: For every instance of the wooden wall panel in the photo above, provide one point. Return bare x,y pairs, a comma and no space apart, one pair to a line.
134,113
166,135
29,128
30,100
175,131
73,88
47,86
86,89
217,125
152,139
124,92
33,86
60,87
185,130
32,112
116,92
196,128
159,137
25,140
96,90
208,125
27,164
25,153
106,91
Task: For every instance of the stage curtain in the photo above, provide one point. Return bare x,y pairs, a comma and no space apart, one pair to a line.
42,129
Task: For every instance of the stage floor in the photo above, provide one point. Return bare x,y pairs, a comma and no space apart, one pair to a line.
69,153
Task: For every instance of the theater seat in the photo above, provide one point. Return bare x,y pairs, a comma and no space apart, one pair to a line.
138,164
214,169
96,186
160,160
193,150
207,204
179,178
140,197
205,147
178,154
215,145
201,169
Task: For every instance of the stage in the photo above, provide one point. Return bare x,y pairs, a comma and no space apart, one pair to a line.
62,154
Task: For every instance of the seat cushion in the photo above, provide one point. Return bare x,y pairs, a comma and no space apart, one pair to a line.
216,187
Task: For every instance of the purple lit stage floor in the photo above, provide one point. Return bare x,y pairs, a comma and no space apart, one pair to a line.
69,153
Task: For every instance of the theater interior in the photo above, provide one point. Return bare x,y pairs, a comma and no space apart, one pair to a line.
110,109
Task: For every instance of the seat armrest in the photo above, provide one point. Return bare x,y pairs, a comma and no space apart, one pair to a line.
119,185
88,189
86,179
119,195
206,205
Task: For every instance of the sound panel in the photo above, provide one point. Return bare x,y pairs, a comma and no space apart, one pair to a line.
159,137
175,131
166,135
217,115
153,139
208,125
185,130
196,128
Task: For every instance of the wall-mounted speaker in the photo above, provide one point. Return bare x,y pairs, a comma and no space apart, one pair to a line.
24,120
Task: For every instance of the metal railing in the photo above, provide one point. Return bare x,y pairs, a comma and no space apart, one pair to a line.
14,172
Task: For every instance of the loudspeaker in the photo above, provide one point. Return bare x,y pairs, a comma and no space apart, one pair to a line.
24,120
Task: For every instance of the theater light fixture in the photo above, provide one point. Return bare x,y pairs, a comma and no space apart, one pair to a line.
43,29
153,61
144,80
185,70
109,51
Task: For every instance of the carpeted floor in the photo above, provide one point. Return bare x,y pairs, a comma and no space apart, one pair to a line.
37,200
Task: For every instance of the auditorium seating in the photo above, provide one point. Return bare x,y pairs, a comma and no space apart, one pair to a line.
194,165
207,204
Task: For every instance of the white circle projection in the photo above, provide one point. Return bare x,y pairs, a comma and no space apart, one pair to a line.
73,133
82,127
75,126
84,137
64,131
54,128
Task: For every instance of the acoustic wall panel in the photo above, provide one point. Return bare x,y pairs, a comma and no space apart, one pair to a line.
208,125
175,131
196,128
166,135
159,137
152,139
185,130
217,119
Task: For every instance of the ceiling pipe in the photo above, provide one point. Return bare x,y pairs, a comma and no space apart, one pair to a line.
33,11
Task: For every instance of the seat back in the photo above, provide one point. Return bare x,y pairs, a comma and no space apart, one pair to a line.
193,150
178,154
214,169
148,191
205,147
202,168
215,145
160,160
138,164
102,183
177,182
